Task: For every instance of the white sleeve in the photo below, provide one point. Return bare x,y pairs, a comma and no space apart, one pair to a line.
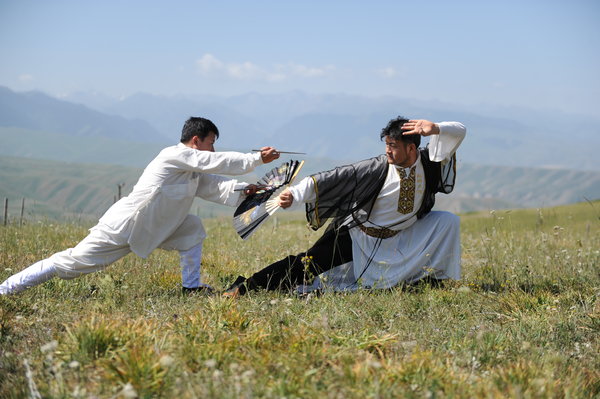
304,191
219,189
227,162
442,146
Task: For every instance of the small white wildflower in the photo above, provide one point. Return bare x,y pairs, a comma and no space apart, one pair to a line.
374,363
540,384
217,374
129,391
78,392
247,375
166,361
210,363
409,344
74,364
50,346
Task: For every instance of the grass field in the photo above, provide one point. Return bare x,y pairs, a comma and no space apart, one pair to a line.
523,322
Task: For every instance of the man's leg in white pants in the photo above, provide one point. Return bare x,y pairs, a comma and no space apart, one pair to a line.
190,261
190,235
96,251
35,274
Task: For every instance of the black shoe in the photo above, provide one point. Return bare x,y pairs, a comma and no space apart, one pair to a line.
203,290
238,288
430,281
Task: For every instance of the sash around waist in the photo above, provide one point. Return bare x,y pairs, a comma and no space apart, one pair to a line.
378,232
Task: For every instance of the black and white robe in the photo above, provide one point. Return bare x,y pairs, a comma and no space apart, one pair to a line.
366,194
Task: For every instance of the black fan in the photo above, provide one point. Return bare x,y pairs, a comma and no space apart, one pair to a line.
256,208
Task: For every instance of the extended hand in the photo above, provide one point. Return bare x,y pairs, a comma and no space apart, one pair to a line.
268,154
286,199
251,189
420,126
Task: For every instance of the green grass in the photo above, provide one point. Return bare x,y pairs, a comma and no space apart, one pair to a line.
523,322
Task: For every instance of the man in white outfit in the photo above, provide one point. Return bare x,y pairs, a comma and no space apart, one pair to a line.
382,229
155,214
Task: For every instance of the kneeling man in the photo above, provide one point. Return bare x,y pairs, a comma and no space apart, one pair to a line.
382,229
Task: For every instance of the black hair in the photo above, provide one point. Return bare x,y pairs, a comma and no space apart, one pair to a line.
196,126
393,130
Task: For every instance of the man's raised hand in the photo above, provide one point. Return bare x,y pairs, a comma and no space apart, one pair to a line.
420,126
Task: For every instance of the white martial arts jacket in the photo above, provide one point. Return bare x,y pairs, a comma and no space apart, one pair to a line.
163,196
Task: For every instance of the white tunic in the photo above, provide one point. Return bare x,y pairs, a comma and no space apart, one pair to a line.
432,247
162,197
154,214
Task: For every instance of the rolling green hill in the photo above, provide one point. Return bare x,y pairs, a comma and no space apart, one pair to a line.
59,190
27,143
503,187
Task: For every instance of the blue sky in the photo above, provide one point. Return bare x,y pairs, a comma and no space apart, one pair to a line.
540,54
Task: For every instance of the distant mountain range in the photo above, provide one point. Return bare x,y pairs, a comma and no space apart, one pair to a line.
522,158
38,111
340,126
336,126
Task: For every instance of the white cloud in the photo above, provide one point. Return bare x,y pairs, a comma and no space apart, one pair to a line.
388,72
208,64
309,72
25,78
245,70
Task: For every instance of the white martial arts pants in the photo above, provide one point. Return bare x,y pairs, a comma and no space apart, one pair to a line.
102,248
431,246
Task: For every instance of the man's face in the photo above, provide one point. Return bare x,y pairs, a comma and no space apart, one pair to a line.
208,144
398,152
